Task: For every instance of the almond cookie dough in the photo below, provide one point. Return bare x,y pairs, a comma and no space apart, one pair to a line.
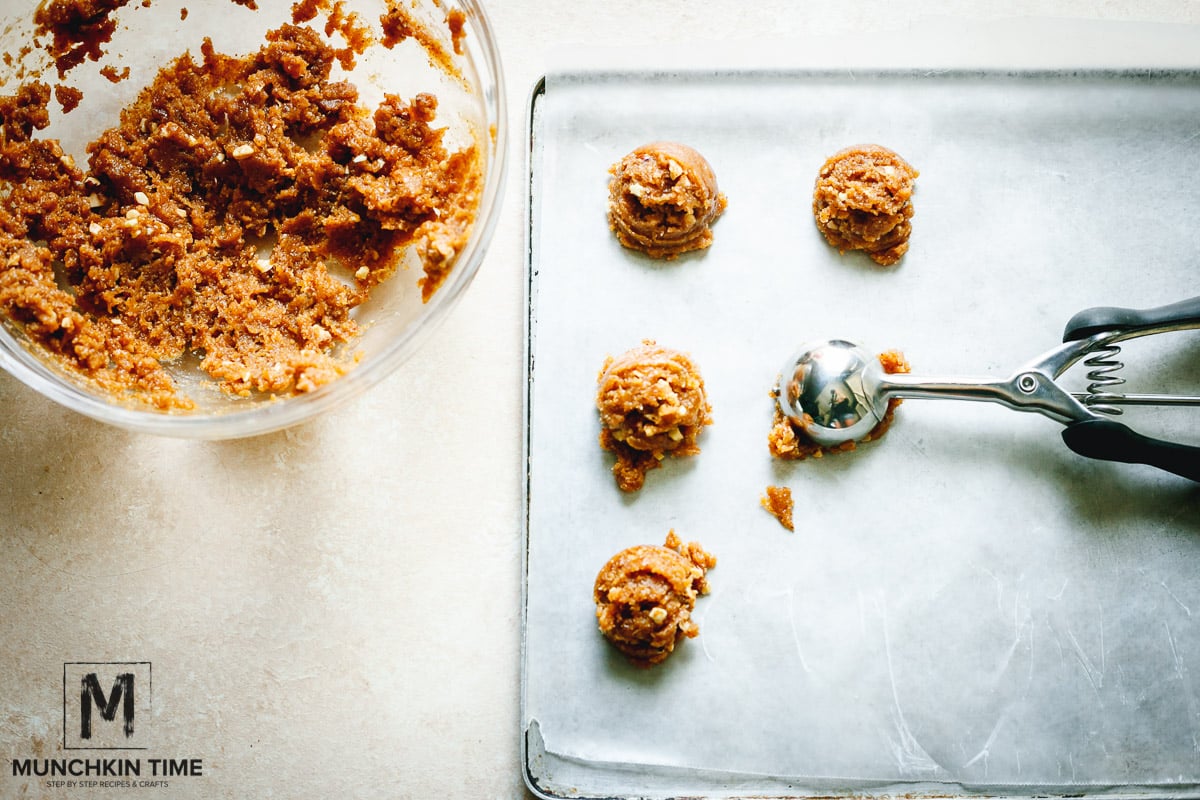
786,442
240,211
863,201
663,199
652,404
779,504
645,596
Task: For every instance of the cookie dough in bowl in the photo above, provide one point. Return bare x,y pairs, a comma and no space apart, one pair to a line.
220,224
663,199
645,596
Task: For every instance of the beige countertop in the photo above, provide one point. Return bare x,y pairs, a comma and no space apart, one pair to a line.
335,610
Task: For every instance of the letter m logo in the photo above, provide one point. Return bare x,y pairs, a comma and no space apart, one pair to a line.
93,696
106,706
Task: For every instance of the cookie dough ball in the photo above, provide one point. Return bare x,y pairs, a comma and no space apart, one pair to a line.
662,200
652,404
645,596
863,201
788,443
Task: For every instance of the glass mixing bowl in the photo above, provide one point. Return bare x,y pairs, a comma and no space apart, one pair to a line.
394,321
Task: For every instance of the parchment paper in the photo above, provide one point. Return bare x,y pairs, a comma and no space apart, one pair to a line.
965,605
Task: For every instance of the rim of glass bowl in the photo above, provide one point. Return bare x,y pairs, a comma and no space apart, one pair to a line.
268,417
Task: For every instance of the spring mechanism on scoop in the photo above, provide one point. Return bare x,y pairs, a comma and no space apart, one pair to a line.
1103,366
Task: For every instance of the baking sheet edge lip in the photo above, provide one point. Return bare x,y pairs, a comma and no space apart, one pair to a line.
536,93
682,74
865,790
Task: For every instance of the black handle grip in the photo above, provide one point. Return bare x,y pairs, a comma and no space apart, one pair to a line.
1107,318
1111,441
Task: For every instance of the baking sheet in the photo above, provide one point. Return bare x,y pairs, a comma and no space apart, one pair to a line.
965,606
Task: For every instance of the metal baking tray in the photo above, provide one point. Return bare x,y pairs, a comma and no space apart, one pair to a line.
966,607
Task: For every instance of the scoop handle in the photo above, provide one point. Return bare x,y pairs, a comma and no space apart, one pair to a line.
1182,315
1107,440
